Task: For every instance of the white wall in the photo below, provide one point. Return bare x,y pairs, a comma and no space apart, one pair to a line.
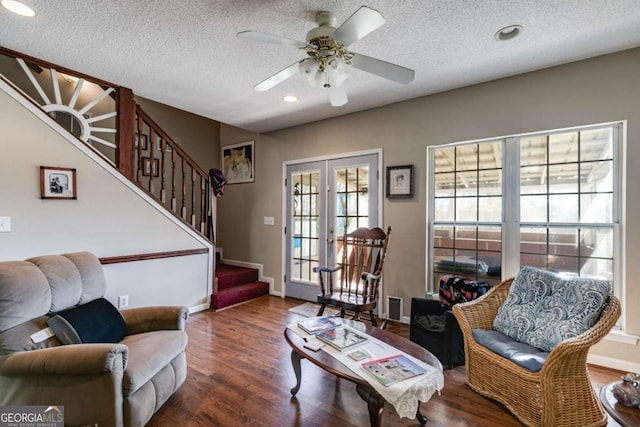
109,218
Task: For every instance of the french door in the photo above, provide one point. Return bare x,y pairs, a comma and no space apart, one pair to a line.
325,199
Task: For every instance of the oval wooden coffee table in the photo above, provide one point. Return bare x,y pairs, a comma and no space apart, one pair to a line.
322,359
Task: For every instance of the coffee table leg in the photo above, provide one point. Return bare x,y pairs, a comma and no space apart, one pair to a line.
375,403
422,419
295,362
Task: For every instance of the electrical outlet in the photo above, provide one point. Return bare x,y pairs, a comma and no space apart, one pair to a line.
123,301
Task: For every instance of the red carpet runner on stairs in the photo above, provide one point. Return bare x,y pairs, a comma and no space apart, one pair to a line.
235,285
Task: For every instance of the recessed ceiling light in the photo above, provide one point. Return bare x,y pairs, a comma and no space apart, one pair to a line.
508,33
17,7
290,98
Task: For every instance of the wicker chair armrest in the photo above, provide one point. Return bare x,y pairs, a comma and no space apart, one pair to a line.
479,313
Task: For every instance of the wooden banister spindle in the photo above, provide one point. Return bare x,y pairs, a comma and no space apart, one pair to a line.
173,181
139,136
193,196
203,204
183,211
163,149
152,147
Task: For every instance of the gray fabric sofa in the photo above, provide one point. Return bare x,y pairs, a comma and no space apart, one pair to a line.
108,384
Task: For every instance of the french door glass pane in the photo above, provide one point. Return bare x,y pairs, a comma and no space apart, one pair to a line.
305,215
352,198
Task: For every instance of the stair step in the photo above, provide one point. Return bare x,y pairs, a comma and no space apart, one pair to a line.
230,276
240,293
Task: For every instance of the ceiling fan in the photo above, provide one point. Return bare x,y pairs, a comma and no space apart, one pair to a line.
329,58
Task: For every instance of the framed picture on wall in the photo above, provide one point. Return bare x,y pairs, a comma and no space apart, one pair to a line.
150,166
142,141
238,162
57,183
400,181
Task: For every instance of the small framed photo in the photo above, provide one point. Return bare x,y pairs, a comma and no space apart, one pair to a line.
150,166
144,144
168,148
57,183
238,162
400,181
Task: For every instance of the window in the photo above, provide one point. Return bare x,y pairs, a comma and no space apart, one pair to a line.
547,200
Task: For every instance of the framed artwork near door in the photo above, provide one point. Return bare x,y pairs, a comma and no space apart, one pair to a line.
238,162
399,181
57,183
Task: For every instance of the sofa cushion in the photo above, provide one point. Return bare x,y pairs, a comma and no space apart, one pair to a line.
543,308
149,352
24,293
64,280
94,283
97,321
18,338
522,354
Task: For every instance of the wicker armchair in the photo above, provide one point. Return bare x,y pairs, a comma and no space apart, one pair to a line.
560,394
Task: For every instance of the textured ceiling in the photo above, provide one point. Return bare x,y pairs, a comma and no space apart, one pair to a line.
186,53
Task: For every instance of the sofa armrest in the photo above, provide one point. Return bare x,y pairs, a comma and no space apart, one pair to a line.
147,319
480,313
76,359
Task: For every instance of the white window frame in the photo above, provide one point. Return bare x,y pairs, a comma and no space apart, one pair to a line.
511,211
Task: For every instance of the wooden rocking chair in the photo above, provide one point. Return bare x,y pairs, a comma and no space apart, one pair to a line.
363,254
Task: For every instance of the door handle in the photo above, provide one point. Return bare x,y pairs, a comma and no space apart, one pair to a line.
329,240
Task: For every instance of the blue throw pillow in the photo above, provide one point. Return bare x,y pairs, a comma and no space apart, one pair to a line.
543,308
97,321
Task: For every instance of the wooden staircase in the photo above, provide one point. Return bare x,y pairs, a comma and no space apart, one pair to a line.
138,148
236,285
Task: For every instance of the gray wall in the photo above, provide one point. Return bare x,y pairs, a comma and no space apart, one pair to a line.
597,90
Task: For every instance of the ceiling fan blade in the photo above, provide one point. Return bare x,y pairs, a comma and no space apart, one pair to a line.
383,69
278,77
268,38
338,96
358,25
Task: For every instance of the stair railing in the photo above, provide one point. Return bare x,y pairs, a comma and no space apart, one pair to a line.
168,174
105,117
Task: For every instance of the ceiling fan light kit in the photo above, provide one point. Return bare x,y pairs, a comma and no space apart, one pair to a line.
329,59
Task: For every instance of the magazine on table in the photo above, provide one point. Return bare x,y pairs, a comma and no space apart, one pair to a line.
316,325
391,370
341,337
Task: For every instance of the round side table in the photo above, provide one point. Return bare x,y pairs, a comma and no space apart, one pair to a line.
626,416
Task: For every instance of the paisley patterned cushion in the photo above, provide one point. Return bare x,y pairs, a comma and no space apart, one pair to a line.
543,308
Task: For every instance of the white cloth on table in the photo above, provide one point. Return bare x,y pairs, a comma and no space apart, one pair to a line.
404,395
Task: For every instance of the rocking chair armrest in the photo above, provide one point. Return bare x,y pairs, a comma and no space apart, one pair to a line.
370,277
327,269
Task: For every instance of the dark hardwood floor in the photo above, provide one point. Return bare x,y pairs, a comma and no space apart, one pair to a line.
239,374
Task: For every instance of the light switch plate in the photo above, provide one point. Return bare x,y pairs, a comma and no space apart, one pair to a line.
5,224
269,220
